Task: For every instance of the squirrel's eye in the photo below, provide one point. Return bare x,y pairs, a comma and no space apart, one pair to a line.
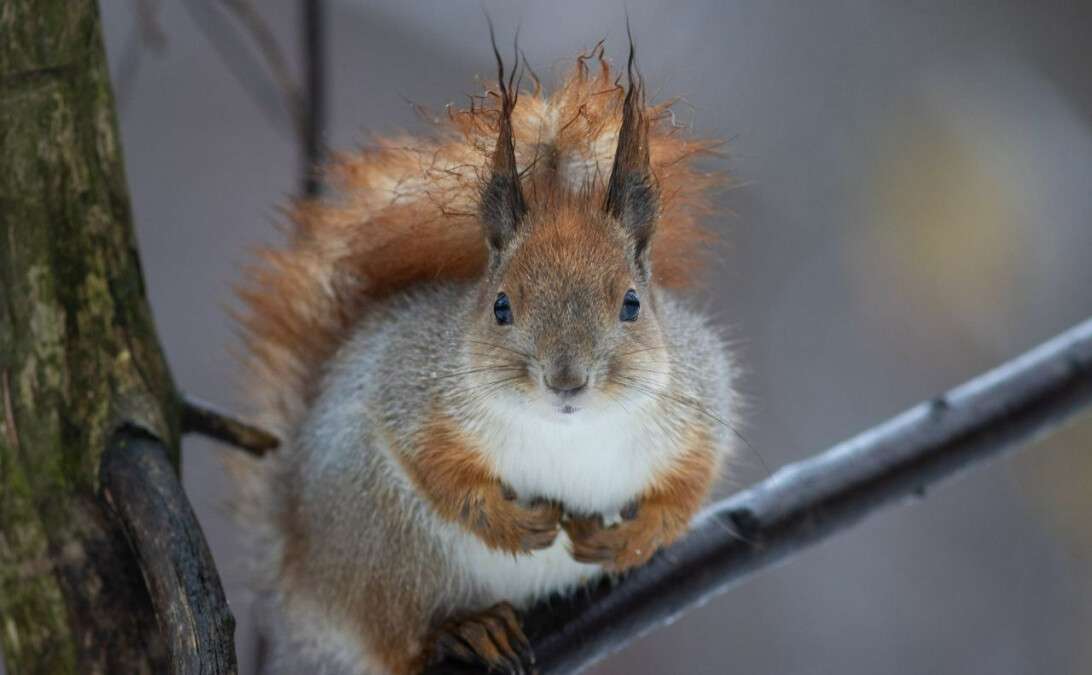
502,309
631,306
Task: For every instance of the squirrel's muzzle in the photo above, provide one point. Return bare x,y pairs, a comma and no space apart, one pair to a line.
566,379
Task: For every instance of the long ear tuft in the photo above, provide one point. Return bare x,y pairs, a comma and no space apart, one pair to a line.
502,206
632,197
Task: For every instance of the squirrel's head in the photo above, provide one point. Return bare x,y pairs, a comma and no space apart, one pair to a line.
566,316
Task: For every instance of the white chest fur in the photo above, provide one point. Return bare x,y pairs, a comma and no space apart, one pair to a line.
593,461
519,579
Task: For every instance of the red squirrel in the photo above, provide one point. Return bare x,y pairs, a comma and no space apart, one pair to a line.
488,385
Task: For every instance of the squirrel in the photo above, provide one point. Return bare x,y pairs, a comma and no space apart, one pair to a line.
487,383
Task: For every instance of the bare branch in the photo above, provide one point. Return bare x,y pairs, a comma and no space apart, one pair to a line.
807,502
250,70
207,420
252,20
140,485
304,98
146,34
313,101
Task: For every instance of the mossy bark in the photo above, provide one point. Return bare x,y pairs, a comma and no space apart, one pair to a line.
78,352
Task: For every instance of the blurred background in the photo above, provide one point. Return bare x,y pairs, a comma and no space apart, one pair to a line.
913,205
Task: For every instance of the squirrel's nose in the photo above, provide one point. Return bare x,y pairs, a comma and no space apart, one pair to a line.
567,380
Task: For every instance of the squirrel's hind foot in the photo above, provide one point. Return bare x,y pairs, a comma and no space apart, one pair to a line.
492,638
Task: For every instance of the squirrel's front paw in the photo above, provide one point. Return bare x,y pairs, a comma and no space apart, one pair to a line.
643,530
492,639
496,517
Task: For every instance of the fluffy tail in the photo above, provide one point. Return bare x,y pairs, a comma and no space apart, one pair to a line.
405,211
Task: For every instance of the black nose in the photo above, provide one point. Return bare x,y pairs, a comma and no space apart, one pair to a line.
567,381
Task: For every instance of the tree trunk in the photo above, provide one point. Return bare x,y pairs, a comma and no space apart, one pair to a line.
79,357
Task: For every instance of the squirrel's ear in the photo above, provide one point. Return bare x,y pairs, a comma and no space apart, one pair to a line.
632,197
502,207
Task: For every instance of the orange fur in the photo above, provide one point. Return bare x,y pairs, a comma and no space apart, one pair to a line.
662,515
450,472
405,212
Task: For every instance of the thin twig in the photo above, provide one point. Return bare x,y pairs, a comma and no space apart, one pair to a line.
807,502
306,102
274,94
146,35
252,20
313,101
204,418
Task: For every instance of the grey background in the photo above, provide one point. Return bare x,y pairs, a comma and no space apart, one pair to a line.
913,207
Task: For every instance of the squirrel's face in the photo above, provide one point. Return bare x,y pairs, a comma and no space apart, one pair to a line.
566,322
566,315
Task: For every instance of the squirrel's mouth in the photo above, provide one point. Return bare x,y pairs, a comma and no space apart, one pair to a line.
567,409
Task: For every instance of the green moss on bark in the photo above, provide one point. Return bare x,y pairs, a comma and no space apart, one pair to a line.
78,351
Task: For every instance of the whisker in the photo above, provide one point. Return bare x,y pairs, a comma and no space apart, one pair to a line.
644,370
489,388
474,371
618,400
696,406
639,351
502,347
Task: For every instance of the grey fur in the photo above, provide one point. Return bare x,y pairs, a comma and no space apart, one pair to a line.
340,489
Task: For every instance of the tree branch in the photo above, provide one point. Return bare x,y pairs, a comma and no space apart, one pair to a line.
247,14
140,485
78,353
807,502
314,98
207,420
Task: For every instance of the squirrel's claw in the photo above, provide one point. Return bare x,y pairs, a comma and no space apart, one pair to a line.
504,523
492,638
616,547
541,525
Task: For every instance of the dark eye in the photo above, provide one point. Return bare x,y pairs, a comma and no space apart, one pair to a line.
631,306
502,309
